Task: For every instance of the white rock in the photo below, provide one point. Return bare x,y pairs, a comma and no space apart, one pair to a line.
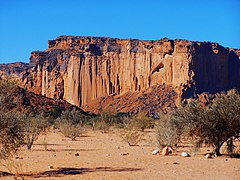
155,151
208,156
185,154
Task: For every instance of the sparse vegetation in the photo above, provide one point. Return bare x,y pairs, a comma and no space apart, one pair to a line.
105,120
7,87
166,132
12,96
71,130
131,133
33,126
72,117
141,121
11,133
213,125
70,124
132,136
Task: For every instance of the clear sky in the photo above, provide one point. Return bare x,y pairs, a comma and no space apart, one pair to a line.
27,25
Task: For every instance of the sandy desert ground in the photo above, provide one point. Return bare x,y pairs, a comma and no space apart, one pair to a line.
105,156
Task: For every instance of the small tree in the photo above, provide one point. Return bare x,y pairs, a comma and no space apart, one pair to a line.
105,120
11,133
33,127
132,136
226,121
131,133
214,125
141,121
166,132
8,87
12,96
71,130
69,124
73,116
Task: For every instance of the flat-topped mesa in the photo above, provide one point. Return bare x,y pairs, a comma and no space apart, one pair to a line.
81,69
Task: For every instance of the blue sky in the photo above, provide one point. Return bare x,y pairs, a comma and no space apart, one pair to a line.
27,25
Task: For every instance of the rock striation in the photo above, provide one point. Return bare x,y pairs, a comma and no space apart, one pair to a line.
83,69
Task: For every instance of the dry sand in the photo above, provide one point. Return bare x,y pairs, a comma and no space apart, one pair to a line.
105,156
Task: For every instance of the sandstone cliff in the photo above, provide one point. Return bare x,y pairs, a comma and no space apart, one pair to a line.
82,69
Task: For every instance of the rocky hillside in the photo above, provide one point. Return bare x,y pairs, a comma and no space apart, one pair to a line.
83,70
14,98
150,101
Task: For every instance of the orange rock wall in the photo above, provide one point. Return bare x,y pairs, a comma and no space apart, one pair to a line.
81,69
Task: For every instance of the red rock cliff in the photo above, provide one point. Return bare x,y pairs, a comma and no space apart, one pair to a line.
81,69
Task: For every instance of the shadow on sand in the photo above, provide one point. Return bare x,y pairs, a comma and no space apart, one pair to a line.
59,150
59,172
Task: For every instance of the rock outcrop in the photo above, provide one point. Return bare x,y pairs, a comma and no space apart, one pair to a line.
82,69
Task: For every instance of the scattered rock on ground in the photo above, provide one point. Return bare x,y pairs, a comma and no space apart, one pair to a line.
166,151
208,156
155,151
185,154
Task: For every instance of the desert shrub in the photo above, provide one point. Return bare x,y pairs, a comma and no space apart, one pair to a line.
105,120
141,121
7,89
73,117
102,125
213,125
130,133
185,122
70,124
11,133
12,96
166,132
33,127
71,130
56,112
132,136
226,118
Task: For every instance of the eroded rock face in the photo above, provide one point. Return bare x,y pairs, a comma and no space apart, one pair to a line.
82,69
